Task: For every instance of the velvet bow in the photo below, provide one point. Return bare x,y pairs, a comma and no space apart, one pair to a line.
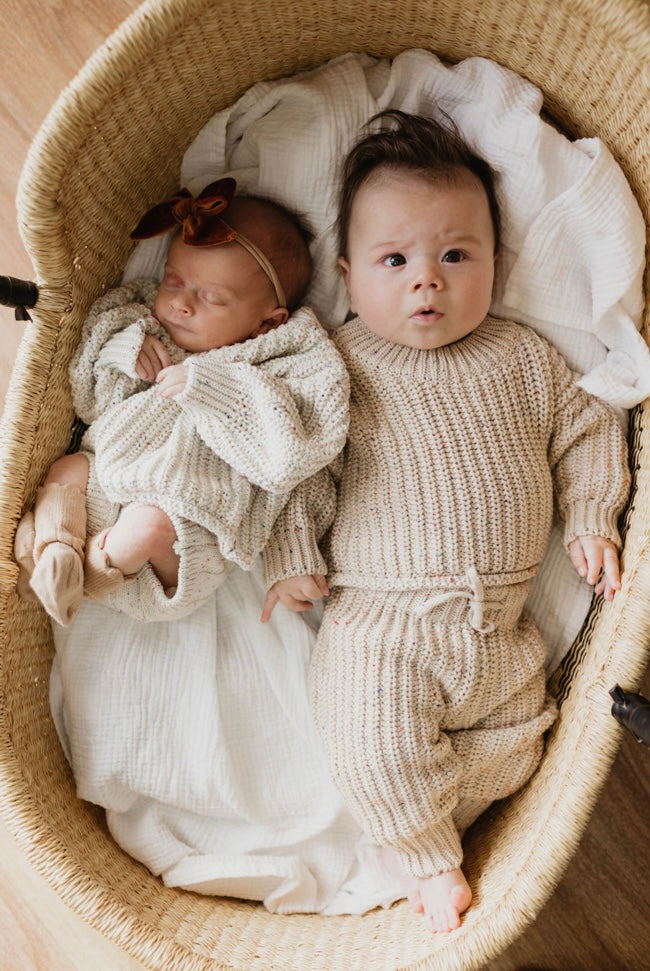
198,215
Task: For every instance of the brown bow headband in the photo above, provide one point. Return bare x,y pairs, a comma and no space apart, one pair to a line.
202,225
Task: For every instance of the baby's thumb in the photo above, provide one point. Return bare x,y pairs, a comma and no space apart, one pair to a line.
321,583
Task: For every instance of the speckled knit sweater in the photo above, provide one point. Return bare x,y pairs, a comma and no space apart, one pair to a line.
451,464
254,419
427,680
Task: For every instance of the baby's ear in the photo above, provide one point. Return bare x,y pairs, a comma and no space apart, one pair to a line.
344,266
278,316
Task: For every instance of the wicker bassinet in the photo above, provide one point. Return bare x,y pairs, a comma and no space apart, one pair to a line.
110,147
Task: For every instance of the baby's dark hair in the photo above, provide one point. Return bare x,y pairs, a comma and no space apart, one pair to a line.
420,145
282,237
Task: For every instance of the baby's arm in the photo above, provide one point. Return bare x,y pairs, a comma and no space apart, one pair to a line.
596,559
103,368
278,419
588,458
294,567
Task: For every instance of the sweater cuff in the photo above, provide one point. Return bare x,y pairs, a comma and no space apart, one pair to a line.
292,553
436,850
212,387
591,518
121,351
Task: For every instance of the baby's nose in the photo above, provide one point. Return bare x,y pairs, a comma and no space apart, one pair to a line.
181,302
428,275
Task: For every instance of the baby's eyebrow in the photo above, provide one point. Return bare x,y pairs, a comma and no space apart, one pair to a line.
456,240
389,244
222,287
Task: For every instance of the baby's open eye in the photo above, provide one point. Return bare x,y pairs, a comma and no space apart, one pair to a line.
453,256
395,259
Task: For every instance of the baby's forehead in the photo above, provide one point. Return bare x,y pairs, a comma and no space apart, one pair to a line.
411,202
201,257
388,179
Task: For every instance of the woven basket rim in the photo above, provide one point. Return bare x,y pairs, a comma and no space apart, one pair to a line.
627,621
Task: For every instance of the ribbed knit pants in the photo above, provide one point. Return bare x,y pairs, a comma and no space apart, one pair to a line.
201,571
425,720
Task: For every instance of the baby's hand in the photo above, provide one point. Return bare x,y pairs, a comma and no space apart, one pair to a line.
153,357
171,380
596,559
296,593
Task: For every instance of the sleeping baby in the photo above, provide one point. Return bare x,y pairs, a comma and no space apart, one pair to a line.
208,397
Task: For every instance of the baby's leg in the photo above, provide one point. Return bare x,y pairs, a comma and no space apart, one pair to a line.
378,706
49,544
142,534
502,749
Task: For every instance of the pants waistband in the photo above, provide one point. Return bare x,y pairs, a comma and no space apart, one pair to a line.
482,607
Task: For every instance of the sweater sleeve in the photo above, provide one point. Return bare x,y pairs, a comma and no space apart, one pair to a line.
278,419
293,548
102,370
588,458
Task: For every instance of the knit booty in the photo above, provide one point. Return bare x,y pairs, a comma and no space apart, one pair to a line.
57,551
100,578
24,553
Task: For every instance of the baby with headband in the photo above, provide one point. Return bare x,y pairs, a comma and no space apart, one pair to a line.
208,396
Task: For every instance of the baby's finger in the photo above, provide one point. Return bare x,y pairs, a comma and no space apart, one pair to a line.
141,371
172,380
293,603
611,568
162,355
148,359
269,603
594,556
311,589
169,384
321,583
144,368
578,557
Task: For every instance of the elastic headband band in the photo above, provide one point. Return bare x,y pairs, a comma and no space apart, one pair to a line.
266,265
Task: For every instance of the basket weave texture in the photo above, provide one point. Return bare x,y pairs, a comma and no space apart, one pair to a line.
111,147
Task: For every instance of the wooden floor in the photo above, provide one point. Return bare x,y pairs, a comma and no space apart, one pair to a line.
598,919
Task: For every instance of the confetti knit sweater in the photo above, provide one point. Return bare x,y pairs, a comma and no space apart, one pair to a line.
453,460
253,420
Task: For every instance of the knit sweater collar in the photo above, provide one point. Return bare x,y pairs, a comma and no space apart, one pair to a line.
482,350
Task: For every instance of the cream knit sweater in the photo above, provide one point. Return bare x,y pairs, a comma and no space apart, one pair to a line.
254,419
452,463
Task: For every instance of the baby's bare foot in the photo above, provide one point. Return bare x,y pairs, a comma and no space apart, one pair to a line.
445,897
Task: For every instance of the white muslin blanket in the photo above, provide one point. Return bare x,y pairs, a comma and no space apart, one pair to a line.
196,735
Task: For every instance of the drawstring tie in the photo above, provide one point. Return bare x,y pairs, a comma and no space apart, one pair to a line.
477,603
